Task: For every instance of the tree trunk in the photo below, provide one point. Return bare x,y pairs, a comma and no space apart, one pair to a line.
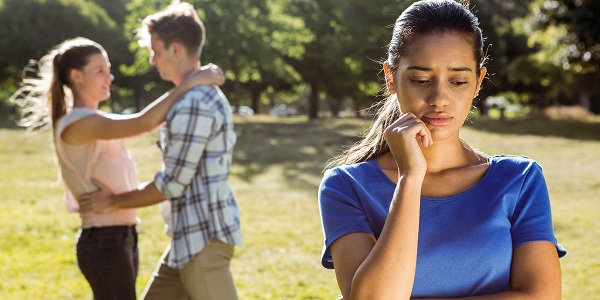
356,107
271,100
483,110
335,107
586,84
313,103
585,100
237,88
255,96
137,96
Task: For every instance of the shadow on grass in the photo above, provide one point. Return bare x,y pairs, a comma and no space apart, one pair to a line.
7,123
302,148
589,131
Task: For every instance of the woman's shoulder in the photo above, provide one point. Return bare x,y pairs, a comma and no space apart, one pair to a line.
353,172
515,160
78,113
74,115
518,164
365,166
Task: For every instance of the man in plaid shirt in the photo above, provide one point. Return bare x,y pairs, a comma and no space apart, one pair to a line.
197,142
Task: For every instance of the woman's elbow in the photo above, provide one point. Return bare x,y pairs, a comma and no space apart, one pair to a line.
377,293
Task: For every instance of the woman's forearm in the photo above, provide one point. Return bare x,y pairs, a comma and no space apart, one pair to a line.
388,271
154,114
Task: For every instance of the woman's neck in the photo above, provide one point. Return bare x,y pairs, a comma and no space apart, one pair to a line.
441,156
81,101
447,154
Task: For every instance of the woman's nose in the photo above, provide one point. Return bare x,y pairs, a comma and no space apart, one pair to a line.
439,95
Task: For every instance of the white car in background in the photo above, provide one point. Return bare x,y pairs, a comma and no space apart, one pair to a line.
243,110
282,110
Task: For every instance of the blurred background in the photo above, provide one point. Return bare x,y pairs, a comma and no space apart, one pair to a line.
299,60
320,58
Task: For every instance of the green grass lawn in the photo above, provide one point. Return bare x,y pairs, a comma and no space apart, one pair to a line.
277,169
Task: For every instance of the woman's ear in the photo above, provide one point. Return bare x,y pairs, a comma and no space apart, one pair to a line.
75,76
482,74
389,78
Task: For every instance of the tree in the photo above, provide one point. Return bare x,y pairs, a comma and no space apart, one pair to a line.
247,38
367,30
29,29
344,59
567,33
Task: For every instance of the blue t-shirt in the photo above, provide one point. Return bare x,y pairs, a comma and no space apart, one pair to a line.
465,241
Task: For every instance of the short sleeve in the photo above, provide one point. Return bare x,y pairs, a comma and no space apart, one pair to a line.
341,211
532,217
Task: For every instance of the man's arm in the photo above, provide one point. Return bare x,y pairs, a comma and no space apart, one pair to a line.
190,129
104,201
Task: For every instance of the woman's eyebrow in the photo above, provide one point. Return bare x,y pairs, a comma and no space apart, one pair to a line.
419,68
453,69
461,69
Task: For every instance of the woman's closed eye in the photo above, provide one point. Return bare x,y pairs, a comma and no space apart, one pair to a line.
459,82
419,81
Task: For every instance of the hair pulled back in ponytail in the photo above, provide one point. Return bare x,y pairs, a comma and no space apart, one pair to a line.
42,96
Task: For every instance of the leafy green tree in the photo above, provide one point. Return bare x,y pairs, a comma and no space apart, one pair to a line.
247,38
504,48
567,33
30,28
366,29
322,52
144,82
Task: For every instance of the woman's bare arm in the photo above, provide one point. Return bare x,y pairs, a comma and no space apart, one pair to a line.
121,126
382,269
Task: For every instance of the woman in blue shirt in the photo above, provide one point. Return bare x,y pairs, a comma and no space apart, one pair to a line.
413,211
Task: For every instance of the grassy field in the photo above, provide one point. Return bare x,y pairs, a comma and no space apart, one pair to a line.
278,164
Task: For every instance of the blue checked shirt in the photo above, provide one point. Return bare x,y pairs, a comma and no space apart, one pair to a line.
197,143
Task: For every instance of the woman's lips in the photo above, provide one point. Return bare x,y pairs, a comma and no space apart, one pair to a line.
437,119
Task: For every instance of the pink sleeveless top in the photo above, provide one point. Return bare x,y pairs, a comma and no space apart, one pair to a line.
104,160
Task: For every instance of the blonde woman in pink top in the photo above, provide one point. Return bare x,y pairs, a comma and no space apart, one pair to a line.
74,77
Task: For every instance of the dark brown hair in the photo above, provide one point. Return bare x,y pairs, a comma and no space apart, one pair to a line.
49,82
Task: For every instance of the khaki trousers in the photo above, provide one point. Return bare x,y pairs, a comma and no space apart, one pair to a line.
206,277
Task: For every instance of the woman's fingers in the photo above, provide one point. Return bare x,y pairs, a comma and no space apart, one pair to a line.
414,127
219,75
405,137
97,201
85,202
425,136
214,74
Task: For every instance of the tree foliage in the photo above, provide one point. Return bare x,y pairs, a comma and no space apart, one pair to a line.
325,52
30,28
567,34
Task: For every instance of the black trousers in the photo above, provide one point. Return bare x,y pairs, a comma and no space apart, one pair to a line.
108,258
